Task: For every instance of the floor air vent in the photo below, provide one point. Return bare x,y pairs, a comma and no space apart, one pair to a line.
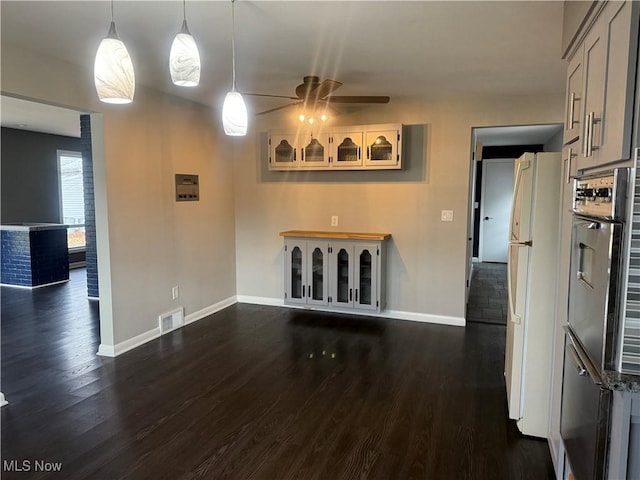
171,321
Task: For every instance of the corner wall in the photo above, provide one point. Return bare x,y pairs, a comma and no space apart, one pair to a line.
426,257
147,243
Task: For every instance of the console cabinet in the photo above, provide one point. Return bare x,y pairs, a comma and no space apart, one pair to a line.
336,271
359,147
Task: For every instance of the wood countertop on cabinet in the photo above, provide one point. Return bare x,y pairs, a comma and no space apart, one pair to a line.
335,235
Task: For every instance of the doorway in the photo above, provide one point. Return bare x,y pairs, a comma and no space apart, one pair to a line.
497,190
492,154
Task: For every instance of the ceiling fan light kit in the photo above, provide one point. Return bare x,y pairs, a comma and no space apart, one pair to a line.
184,59
113,73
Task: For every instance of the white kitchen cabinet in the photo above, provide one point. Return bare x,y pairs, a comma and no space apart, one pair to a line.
306,272
335,271
298,149
607,60
359,147
383,148
346,149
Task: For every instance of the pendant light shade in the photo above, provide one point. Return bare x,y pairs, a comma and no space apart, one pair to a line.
234,114
234,111
184,59
113,70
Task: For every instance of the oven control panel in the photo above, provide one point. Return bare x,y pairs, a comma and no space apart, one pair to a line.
603,195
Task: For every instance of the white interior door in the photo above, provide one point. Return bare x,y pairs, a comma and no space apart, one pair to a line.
495,209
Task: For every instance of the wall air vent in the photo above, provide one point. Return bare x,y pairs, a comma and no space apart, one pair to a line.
171,320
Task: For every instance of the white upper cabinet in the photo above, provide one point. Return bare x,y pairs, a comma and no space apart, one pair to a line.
346,149
600,108
283,151
360,147
383,148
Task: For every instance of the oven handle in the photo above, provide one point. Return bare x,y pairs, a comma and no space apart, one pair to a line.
591,370
582,370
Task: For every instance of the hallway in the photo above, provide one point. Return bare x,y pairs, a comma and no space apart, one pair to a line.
488,298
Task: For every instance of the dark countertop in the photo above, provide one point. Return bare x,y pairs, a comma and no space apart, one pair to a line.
32,226
622,382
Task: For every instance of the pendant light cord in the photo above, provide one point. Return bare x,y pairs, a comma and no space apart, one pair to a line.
233,46
112,10
184,10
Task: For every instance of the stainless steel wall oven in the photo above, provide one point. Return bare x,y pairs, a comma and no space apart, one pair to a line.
593,330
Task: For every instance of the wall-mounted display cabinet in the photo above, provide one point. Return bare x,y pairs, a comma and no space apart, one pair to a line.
360,147
335,270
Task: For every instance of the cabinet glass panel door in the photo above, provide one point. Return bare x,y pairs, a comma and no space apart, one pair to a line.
315,151
346,149
382,148
283,152
344,290
296,291
366,280
317,273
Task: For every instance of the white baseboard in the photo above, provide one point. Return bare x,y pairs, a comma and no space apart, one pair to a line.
273,302
210,310
394,314
3,401
130,344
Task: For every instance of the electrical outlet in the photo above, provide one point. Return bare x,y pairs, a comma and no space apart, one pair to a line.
175,293
334,221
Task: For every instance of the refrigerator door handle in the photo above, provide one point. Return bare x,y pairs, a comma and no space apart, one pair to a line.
512,311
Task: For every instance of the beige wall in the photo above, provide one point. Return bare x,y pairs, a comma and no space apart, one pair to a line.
426,257
153,242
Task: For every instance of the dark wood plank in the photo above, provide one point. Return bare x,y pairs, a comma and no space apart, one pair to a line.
256,392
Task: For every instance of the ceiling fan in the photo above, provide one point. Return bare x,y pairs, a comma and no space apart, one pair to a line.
312,92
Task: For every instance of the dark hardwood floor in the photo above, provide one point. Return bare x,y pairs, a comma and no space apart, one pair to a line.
256,392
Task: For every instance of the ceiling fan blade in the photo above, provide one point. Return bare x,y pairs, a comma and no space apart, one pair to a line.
325,88
267,95
279,108
358,99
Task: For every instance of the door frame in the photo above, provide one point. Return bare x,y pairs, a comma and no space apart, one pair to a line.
483,190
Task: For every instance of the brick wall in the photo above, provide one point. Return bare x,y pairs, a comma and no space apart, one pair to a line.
89,207
32,258
15,266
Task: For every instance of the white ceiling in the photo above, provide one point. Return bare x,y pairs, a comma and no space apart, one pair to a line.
408,50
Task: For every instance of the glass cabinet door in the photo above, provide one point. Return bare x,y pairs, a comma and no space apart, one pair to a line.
382,148
314,151
346,149
366,279
295,273
283,152
317,278
342,272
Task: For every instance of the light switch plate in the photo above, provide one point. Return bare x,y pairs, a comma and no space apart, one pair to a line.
446,215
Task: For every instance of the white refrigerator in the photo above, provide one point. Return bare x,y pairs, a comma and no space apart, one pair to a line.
531,284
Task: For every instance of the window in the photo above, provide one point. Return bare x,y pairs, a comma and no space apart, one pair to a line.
72,197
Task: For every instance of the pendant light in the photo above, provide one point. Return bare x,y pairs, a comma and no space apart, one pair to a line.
184,59
113,69
234,111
